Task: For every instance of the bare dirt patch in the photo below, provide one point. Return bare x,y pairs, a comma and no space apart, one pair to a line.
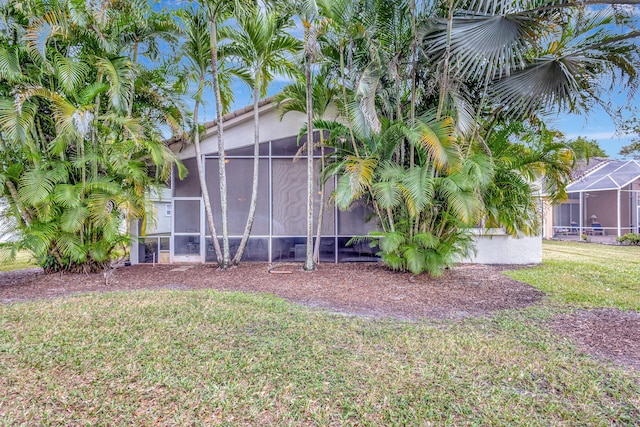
357,288
606,333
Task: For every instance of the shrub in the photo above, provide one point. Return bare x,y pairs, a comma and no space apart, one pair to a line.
632,239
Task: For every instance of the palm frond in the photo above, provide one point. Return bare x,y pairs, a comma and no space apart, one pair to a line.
118,72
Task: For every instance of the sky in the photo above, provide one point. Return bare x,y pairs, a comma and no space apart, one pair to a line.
596,125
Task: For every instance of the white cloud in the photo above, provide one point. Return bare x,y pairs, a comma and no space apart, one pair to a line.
612,134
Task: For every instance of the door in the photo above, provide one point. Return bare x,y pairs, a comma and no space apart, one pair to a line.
187,235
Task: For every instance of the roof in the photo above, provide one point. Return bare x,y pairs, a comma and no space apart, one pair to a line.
179,142
613,175
586,166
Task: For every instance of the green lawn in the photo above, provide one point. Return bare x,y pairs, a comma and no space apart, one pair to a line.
212,358
23,260
589,275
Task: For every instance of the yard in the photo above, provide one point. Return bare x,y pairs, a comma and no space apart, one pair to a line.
348,345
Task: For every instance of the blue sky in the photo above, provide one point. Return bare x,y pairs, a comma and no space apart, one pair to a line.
596,125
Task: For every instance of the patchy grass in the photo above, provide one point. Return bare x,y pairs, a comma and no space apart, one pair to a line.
23,260
590,275
210,358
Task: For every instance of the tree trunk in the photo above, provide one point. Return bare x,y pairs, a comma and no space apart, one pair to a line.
316,248
254,187
134,61
414,53
13,191
444,84
346,108
309,265
224,262
203,183
24,213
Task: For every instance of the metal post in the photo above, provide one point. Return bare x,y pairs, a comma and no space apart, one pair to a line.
619,230
581,223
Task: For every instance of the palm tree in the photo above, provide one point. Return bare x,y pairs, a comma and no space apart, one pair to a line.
74,166
524,58
217,11
425,209
293,98
197,53
524,154
261,46
307,11
142,27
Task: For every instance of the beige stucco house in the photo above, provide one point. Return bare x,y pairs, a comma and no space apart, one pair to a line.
278,232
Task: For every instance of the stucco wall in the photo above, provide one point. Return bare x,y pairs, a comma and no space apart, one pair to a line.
238,132
496,248
500,248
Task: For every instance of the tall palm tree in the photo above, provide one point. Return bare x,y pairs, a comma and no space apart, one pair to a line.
198,56
261,46
142,27
293,98
523,58
73,165
307,11
217,11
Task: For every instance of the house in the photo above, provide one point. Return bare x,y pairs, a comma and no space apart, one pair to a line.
603,202
279,229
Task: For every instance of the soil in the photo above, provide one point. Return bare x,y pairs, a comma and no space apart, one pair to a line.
605,333
364,289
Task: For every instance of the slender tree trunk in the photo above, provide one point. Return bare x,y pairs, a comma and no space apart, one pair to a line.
309,264
24,213
399,118
203,182
134,61
94,137
224,262
346,107
414,53
316,248
444,84
84,183
254,187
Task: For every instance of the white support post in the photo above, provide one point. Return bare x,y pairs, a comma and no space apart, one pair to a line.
134,254
619,215
581,223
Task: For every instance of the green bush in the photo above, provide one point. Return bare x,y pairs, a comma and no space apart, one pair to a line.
632,239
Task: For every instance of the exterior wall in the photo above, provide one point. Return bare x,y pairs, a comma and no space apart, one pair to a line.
238,132
547,218
283,199
496,247
161,221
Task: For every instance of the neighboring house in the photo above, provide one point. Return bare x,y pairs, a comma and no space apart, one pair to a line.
279,229
603,202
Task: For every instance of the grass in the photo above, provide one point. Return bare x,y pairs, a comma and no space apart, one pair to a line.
215,358
588,275
23,260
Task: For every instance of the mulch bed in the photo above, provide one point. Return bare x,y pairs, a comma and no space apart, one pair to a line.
606,333
364,289
357,288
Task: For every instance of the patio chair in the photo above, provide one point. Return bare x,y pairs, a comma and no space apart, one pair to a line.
596,228
574,228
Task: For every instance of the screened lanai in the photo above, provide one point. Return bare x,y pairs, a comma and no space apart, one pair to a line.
278,232
179,232
603,204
